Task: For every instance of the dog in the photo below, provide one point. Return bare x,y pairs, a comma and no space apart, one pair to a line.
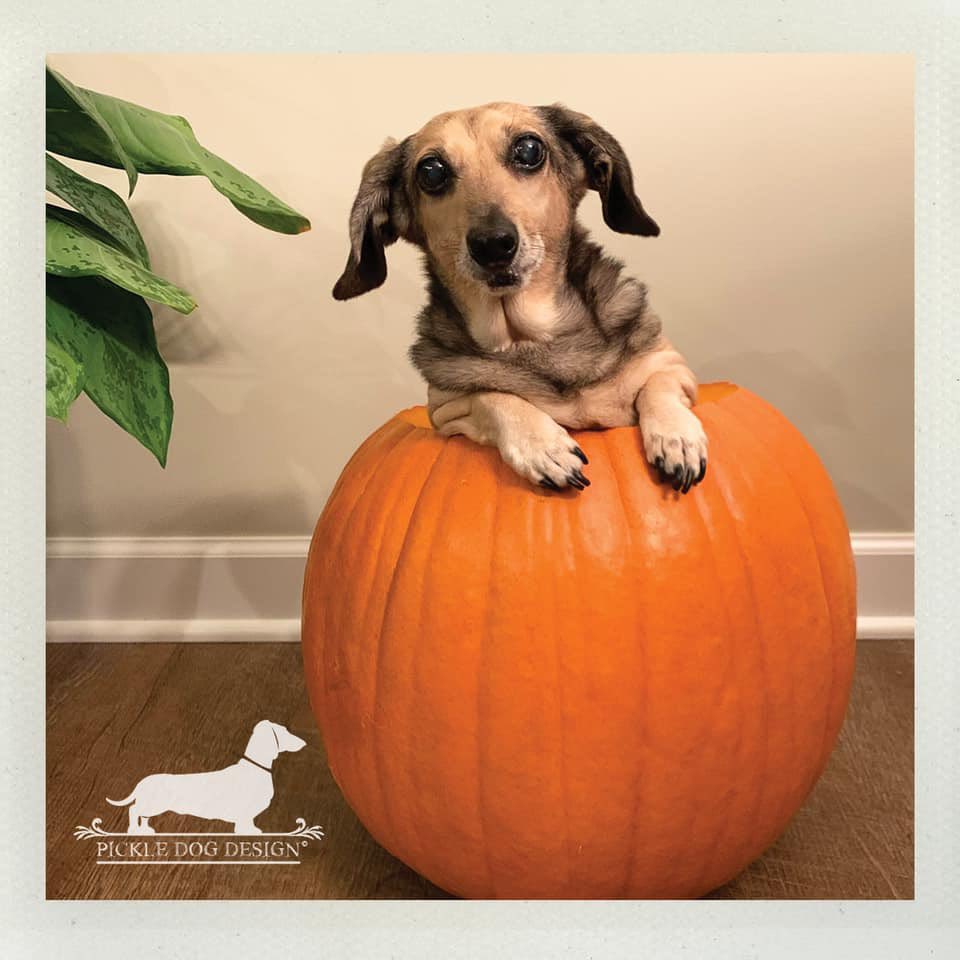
529,327
237,793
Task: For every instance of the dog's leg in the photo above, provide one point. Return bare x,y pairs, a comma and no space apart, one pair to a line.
246,828
529,441
138,823
673,437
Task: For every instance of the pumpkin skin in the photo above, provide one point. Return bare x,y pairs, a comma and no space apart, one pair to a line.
623,692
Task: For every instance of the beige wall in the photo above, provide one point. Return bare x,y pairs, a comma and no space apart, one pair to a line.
783,184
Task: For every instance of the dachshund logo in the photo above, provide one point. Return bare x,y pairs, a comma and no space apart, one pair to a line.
237,793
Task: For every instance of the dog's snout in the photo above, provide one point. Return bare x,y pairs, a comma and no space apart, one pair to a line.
493,248
494,241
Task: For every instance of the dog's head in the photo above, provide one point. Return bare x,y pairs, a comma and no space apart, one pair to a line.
489,194
269,740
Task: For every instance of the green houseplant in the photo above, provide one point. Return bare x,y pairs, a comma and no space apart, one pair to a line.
100,334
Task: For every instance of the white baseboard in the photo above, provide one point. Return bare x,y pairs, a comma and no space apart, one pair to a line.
878,628
121,589
884,585
164,631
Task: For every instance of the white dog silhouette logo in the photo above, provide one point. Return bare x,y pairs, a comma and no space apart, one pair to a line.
236,794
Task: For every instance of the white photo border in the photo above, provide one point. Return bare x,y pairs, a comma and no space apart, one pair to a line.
927,926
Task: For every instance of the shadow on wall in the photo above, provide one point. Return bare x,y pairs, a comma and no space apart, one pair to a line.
201,492
194,588
65,477
210,458
198,337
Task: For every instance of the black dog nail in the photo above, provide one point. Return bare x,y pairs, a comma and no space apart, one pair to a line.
547,482
581,455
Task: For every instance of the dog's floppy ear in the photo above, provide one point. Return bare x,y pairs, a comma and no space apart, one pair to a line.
373,222
263,743
607,168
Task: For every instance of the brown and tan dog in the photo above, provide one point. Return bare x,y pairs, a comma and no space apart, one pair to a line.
529,327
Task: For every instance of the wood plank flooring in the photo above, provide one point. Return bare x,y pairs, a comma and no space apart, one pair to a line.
118,711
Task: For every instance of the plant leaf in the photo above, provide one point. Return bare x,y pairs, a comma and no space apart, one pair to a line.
161,143
98,204
73,121
64,380
85,226
78,248
111,332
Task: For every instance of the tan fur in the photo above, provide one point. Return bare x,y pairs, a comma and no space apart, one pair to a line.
571,342
474,140
654,390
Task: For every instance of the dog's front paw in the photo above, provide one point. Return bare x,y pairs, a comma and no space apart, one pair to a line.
675,443
544,453
142,830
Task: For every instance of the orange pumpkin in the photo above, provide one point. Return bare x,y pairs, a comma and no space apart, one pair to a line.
623,692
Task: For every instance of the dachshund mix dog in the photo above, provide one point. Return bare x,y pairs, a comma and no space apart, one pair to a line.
530,327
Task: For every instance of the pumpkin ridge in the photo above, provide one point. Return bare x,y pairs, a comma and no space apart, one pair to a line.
642,500
638,776
776,464
363,518
482,820
815,774
438,532
377,721
328,516
383,451
483,689
756,442
385,492
777,420
558,695
319,553
759,637
724,827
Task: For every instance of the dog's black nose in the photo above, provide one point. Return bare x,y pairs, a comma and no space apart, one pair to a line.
493,243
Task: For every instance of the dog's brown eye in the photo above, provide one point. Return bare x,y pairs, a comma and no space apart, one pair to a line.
529,152
432,174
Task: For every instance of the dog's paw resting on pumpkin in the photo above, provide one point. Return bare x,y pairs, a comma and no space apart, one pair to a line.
675,443
529,441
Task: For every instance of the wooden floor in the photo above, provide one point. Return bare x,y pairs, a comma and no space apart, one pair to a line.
116,712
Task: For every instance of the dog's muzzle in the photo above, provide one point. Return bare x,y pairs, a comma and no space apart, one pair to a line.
493,245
